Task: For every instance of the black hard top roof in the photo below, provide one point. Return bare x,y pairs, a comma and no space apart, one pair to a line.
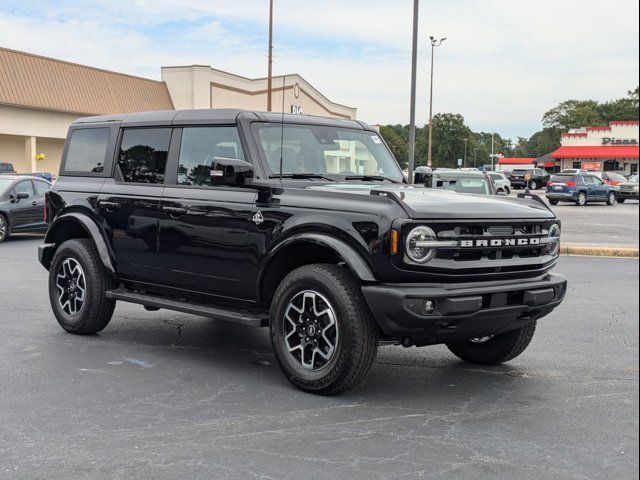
216,117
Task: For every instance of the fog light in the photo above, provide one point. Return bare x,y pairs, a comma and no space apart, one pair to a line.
429,306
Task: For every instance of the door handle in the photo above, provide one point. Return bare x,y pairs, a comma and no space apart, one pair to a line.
174,212
109,206
34,203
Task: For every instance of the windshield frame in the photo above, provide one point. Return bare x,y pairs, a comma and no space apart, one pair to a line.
396,176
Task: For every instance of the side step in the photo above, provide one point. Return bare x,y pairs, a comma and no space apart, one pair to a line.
241,317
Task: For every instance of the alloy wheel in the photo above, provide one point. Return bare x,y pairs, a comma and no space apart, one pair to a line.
72,285
310,330
481,339
3,228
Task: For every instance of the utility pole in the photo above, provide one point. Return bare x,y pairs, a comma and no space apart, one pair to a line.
434,43
464,163
493,155
412,120
270,73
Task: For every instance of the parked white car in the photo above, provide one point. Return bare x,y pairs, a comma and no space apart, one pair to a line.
502,183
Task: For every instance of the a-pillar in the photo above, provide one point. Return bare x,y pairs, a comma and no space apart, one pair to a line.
30,154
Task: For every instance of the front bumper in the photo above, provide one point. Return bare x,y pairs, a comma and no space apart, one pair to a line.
461,311
628,194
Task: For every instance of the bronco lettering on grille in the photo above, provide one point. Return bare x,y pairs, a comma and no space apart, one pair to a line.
500,242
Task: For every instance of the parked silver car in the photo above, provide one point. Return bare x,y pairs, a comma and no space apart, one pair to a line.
501,182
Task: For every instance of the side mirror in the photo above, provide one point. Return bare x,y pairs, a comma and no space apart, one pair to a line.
22,195
230,171
423,175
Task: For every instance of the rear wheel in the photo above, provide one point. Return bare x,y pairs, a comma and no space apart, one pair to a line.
611,198
582,199
621,200
533,185
4,228
496,349
553,202
77,285
322,332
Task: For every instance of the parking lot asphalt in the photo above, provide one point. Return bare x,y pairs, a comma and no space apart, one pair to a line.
166,395
597,223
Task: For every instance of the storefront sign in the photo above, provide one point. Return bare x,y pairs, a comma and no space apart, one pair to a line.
296,110
619,141
592,166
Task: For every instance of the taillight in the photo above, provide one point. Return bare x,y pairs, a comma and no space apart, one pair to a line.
571,184
549,183
46,207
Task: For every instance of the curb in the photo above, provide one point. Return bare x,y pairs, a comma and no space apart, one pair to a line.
595,251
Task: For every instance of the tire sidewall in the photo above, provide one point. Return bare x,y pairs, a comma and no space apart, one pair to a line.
580,202
293,285
71,323
7,227
611,199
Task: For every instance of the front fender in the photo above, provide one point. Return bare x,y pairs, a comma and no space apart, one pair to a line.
342,249
58,233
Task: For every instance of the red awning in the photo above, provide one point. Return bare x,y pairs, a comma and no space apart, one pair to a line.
616,151
548,164
516,161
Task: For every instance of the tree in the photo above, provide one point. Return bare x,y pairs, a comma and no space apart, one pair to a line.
449,133
396,142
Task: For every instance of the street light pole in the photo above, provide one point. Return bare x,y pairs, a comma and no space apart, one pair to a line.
270,69
412,119
434,43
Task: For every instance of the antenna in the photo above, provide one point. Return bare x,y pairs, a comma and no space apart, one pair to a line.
284,84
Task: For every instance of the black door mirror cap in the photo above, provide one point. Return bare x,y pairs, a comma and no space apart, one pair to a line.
231,171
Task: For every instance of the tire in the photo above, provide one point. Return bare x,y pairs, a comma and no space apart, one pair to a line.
498,349
91,313
533,185
345,320
621,200
611,199
554,202
582,199
5,228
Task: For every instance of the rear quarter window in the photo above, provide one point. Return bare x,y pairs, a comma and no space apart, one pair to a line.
87,150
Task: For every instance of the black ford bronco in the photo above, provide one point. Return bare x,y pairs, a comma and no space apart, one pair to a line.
302,224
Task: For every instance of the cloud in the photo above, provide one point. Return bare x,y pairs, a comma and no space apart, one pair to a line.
504,64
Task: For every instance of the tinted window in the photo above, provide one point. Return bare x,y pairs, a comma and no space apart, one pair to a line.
25,187
615,177
200,145
4,184
87,150
563,178
41,187
143,154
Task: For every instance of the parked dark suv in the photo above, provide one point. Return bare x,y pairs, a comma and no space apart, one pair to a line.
533,179
302,224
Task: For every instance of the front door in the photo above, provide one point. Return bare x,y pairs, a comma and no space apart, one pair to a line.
27,212
204,228
129,204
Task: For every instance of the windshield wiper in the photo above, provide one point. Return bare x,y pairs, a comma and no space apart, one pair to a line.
371,178
302,176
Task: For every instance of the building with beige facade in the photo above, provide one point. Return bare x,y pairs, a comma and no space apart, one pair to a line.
40,97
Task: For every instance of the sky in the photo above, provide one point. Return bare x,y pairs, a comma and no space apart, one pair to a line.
504,63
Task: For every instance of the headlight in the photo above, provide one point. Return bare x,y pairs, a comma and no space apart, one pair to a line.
554,239
418,247
636,188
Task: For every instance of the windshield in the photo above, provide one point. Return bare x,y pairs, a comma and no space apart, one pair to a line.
335,153
634,179
563,178
463,184
4,184
616,177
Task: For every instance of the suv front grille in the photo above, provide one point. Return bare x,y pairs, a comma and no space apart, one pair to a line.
491,250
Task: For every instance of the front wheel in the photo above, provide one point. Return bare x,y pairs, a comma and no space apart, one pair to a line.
4,228
621,200
77,285
322,332
496,349
533,185
553,202
611,199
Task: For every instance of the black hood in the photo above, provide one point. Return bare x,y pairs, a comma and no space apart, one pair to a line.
429,203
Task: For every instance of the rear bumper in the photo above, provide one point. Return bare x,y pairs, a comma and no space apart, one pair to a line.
461,312
563,197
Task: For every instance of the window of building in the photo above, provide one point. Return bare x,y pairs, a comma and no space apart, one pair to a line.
577,165
199,147
87,150
143,154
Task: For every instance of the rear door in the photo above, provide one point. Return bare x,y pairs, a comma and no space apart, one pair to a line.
40,187
129,202
204,227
